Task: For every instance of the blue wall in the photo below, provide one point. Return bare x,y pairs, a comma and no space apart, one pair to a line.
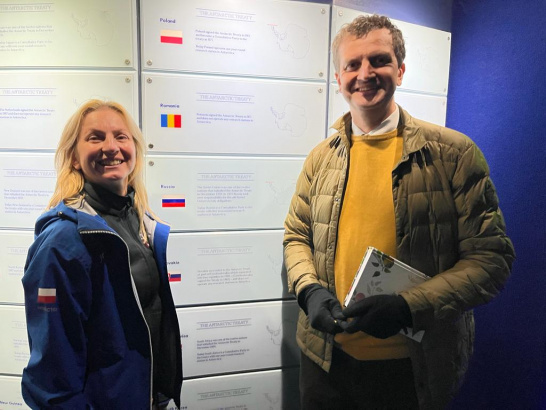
497,96
429,13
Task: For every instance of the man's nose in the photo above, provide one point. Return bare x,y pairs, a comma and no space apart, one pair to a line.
366,71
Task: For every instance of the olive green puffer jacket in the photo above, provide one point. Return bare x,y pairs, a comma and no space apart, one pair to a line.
448,225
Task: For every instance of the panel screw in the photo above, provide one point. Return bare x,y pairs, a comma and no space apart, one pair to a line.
151,163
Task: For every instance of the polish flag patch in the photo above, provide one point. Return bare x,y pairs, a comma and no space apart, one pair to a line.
47,295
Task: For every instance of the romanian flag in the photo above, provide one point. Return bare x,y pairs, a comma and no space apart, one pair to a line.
171,121
171,36
175,277
47,295
173,201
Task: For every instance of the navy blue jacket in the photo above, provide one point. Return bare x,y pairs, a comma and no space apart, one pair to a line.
89,343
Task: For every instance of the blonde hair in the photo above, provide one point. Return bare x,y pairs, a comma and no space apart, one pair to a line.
69,185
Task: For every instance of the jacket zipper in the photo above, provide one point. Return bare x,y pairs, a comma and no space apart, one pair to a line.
135,294
341,198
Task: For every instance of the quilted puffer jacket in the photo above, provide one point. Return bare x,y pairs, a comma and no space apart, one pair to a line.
448,225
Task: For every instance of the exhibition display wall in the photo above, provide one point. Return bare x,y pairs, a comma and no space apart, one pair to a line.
231,97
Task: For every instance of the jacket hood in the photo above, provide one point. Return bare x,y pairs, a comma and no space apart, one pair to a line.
81,214
87,219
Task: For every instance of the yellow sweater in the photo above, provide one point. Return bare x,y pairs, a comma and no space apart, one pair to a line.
367,219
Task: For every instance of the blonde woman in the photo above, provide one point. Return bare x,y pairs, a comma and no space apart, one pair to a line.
102,326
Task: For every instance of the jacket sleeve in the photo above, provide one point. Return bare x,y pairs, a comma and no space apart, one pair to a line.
485,251
298,234
55,375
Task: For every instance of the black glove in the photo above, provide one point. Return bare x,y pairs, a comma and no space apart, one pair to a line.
322,308
380,316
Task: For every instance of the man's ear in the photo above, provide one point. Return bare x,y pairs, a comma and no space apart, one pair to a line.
338,81
400,76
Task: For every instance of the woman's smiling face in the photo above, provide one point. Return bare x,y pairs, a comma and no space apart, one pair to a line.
105,150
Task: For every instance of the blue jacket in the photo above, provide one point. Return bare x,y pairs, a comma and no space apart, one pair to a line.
90,346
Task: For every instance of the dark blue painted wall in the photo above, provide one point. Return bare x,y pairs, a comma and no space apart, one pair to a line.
429,13
497,96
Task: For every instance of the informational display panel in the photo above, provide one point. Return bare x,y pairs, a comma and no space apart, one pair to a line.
27,182
68,33
207,114
35,105
10,393
14,350
13,253
256,38
427,53
236,338
431,108
215,193
218,267
274,389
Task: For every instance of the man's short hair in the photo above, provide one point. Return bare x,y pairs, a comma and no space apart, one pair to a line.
361,26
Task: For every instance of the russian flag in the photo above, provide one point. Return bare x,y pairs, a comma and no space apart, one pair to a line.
47,295
173,201
171,121
171,36
175,277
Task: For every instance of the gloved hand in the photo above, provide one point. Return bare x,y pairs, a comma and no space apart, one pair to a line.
322,308
379,316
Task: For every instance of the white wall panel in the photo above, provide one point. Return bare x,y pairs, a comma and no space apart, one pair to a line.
10,393
68,33
27,182
274,390
431,108
225,266
258,38
35,105
220,192
14,350
232,115
427,53
235,338
13,253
